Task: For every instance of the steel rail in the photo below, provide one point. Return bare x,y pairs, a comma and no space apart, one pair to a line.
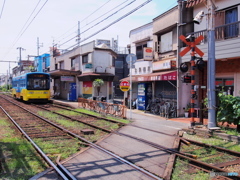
36,146
235,153
68,174
97,147
60,106
171,151
89,124
109,131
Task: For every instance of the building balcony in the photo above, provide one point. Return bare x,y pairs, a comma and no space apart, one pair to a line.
227,39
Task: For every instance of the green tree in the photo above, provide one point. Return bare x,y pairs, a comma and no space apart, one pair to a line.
229,109
98,83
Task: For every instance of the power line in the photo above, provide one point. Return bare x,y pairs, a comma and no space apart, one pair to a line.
108,16
25,23
19,36
84,19
2,9
99,22
95,11
105,13
140,6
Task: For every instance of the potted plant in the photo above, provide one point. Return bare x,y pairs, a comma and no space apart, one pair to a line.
187,109
98,83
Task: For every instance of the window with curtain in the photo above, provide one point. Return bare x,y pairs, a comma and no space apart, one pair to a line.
231,16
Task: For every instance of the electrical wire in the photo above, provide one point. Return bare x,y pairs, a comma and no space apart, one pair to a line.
23,31
140,6
26,21
108,16
84,19
105,13
2,9
95,11
99,22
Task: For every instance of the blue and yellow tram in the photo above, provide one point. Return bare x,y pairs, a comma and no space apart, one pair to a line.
31,87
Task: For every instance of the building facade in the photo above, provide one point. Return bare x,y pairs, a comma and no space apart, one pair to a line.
74,71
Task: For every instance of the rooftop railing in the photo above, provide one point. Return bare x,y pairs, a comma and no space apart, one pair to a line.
223,32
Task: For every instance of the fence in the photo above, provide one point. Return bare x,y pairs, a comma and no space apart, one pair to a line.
225,31
103,107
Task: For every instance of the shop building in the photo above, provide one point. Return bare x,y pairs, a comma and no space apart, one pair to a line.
227,49
74,71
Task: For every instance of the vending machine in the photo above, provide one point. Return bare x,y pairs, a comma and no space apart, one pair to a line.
72,92
144,93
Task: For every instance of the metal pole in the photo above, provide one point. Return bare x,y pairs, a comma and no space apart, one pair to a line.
130,87
193,93
211,66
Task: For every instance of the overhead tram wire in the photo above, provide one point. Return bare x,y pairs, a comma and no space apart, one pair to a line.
2,9
109,16
27,26
105,13
140,6
98,22
83,20
26,21
95,11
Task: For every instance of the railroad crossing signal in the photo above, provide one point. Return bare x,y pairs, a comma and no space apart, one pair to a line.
191,44
124,86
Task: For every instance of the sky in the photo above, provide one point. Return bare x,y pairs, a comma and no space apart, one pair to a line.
55,22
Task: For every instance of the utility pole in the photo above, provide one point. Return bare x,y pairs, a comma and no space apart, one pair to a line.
211,65
78,39
20,57
8,72
38,46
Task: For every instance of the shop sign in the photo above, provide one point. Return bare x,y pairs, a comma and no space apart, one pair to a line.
164,64
67,78
147,53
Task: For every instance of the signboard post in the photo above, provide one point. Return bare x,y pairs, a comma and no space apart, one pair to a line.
125,86
131,59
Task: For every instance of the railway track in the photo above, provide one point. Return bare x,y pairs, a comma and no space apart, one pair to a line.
183,155
63,132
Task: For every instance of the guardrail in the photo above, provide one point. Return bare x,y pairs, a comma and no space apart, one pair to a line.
103,107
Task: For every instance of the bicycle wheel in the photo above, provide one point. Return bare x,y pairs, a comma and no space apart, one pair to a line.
156,109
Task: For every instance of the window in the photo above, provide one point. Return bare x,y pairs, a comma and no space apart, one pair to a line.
225,84
140,70
73,62
231,16
62,65
148,68
139,51
166,42
144,69
119,64
85,59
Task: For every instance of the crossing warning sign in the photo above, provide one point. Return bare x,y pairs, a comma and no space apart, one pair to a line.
124,86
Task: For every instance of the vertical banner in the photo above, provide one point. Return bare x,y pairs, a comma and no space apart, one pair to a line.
87,89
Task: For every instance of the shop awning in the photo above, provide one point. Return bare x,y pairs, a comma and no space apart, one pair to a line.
63,72
191,3
92,76
158,76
